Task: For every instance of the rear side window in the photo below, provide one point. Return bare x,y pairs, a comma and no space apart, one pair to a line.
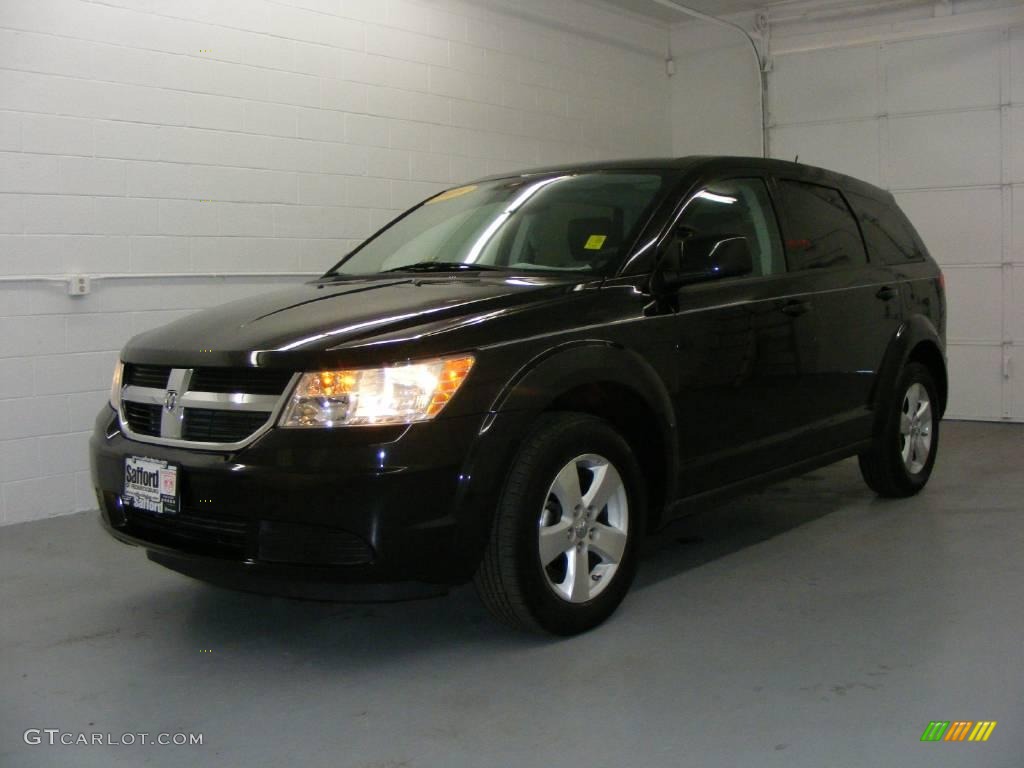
820,230
889,235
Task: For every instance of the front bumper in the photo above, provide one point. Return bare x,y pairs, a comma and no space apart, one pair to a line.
300,508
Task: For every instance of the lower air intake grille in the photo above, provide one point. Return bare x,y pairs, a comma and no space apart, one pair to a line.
144,419
223,535
220,426
311,544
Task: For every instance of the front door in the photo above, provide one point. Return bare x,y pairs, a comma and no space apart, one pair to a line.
741,352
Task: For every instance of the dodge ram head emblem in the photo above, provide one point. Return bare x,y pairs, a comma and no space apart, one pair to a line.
170,400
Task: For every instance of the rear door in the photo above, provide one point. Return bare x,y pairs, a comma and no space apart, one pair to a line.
856,310
895,247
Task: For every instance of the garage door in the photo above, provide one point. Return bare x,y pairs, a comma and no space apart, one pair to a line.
939,120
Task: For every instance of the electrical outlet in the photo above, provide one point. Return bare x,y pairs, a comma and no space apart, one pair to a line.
79,285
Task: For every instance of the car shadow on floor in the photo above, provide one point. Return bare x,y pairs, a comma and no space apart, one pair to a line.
351,635
720,529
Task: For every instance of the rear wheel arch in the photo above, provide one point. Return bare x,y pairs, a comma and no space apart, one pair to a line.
929,355
917,340
902,453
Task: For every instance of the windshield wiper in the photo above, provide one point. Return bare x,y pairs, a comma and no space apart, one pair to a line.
442,266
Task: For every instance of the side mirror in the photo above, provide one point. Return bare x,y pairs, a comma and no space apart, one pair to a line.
694,258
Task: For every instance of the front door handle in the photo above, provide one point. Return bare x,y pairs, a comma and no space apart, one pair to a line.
795,308
886,293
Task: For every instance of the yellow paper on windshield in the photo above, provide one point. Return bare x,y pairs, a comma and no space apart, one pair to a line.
595,242
451,194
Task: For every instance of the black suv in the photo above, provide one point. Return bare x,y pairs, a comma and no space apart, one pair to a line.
515,379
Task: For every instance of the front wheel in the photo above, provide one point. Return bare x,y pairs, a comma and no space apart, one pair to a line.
901,458
563,544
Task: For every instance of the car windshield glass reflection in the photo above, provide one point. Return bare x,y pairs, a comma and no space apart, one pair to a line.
569,223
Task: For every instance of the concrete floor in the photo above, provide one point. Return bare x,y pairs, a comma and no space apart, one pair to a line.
809,625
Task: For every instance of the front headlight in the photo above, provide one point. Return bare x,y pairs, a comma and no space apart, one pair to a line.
399,394
115,386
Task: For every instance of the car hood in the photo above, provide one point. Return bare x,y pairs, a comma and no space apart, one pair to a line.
344,319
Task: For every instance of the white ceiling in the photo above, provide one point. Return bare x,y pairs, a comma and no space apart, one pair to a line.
717,7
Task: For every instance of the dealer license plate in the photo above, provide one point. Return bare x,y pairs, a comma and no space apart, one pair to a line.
150,485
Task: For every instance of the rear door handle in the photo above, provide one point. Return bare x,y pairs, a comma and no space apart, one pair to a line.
795,308
886,293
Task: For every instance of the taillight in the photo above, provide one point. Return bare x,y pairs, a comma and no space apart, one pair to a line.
942,281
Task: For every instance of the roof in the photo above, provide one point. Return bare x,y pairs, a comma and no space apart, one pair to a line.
707,163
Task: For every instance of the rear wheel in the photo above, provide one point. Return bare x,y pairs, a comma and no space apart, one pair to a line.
562,551
900,460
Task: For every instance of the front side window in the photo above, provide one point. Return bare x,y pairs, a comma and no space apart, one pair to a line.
573,222
738,207
820,230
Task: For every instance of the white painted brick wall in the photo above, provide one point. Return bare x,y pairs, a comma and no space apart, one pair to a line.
248,136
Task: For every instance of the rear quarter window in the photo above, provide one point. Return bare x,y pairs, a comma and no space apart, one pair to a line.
820,230
890,237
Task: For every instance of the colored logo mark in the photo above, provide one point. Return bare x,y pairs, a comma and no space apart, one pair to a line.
958,730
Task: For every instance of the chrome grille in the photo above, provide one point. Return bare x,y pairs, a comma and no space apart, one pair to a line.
213,408
210,426
147,375
255,381
142,418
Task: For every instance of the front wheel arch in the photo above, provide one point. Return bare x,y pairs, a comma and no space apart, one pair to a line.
512,579
547,383
612,382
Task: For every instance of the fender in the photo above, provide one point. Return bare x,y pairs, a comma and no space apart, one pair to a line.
586,361
912,332
533,389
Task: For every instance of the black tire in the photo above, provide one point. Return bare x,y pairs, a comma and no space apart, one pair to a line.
882,466
511,580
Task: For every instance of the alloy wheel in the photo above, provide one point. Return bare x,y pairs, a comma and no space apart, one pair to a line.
583,528
915,428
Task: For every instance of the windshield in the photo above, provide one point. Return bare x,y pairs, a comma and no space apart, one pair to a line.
570,223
